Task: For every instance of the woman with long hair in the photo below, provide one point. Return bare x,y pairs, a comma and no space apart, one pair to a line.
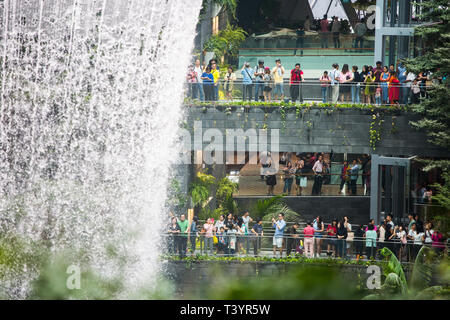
345,80
394,88
384,78
289,172
331,238
299,176
319,229
341,239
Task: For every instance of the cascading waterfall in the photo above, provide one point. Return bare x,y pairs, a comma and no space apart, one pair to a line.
91,95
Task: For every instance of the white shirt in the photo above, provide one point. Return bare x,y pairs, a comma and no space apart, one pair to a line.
410,77
417,236
382,234
318,167
428,234
333,75
199,72
246,220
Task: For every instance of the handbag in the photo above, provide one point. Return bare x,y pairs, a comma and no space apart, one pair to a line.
303,182
215,240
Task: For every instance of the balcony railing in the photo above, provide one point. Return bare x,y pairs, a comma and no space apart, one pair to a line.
250,245
372,93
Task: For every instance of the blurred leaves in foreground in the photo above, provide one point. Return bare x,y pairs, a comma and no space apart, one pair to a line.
303,283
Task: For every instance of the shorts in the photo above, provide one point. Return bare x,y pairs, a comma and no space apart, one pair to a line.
267,89
278,89
278,242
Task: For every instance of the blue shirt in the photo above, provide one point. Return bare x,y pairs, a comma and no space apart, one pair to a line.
401,74
210,79
354,172
279,231
246,76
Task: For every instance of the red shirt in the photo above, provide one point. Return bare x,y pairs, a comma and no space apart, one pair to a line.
296,76
324,25
331,230
308,232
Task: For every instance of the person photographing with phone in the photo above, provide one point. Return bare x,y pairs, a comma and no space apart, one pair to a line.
279,226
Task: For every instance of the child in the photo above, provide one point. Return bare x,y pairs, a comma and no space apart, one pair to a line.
324,83
222,241
232,240
370,87
358,241
415,89
378,95
267,84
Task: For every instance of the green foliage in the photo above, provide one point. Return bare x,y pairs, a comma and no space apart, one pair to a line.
226,42
19,258
423,269
303,283
229,5
395,285
200,188
394,266
224,195
269,208
176,199
305,105
435,109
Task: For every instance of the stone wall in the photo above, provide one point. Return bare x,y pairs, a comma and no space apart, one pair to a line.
320,129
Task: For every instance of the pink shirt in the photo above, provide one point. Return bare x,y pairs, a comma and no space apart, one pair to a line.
309,232
324,25
209,230
344,77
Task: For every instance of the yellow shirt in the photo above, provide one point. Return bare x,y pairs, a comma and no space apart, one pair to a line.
276,75
216,75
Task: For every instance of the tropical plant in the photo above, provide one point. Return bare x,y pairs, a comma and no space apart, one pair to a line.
396,286
269,208
435,109
176,199
200,188
226,43
224,195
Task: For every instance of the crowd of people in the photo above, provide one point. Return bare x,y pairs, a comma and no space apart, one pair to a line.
229,235
295,173
380,85
233,234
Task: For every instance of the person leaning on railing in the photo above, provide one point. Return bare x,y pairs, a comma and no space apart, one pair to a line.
278,77
258,233
230,77
292,241
308,233
247,82
184,227
371,241
295,85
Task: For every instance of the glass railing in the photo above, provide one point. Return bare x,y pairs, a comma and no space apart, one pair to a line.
326,42
306,184
236,244
380,93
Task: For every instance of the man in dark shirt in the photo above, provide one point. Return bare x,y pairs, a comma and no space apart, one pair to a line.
293,239
377,71
257,232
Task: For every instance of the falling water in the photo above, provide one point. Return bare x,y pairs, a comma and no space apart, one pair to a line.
91,95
